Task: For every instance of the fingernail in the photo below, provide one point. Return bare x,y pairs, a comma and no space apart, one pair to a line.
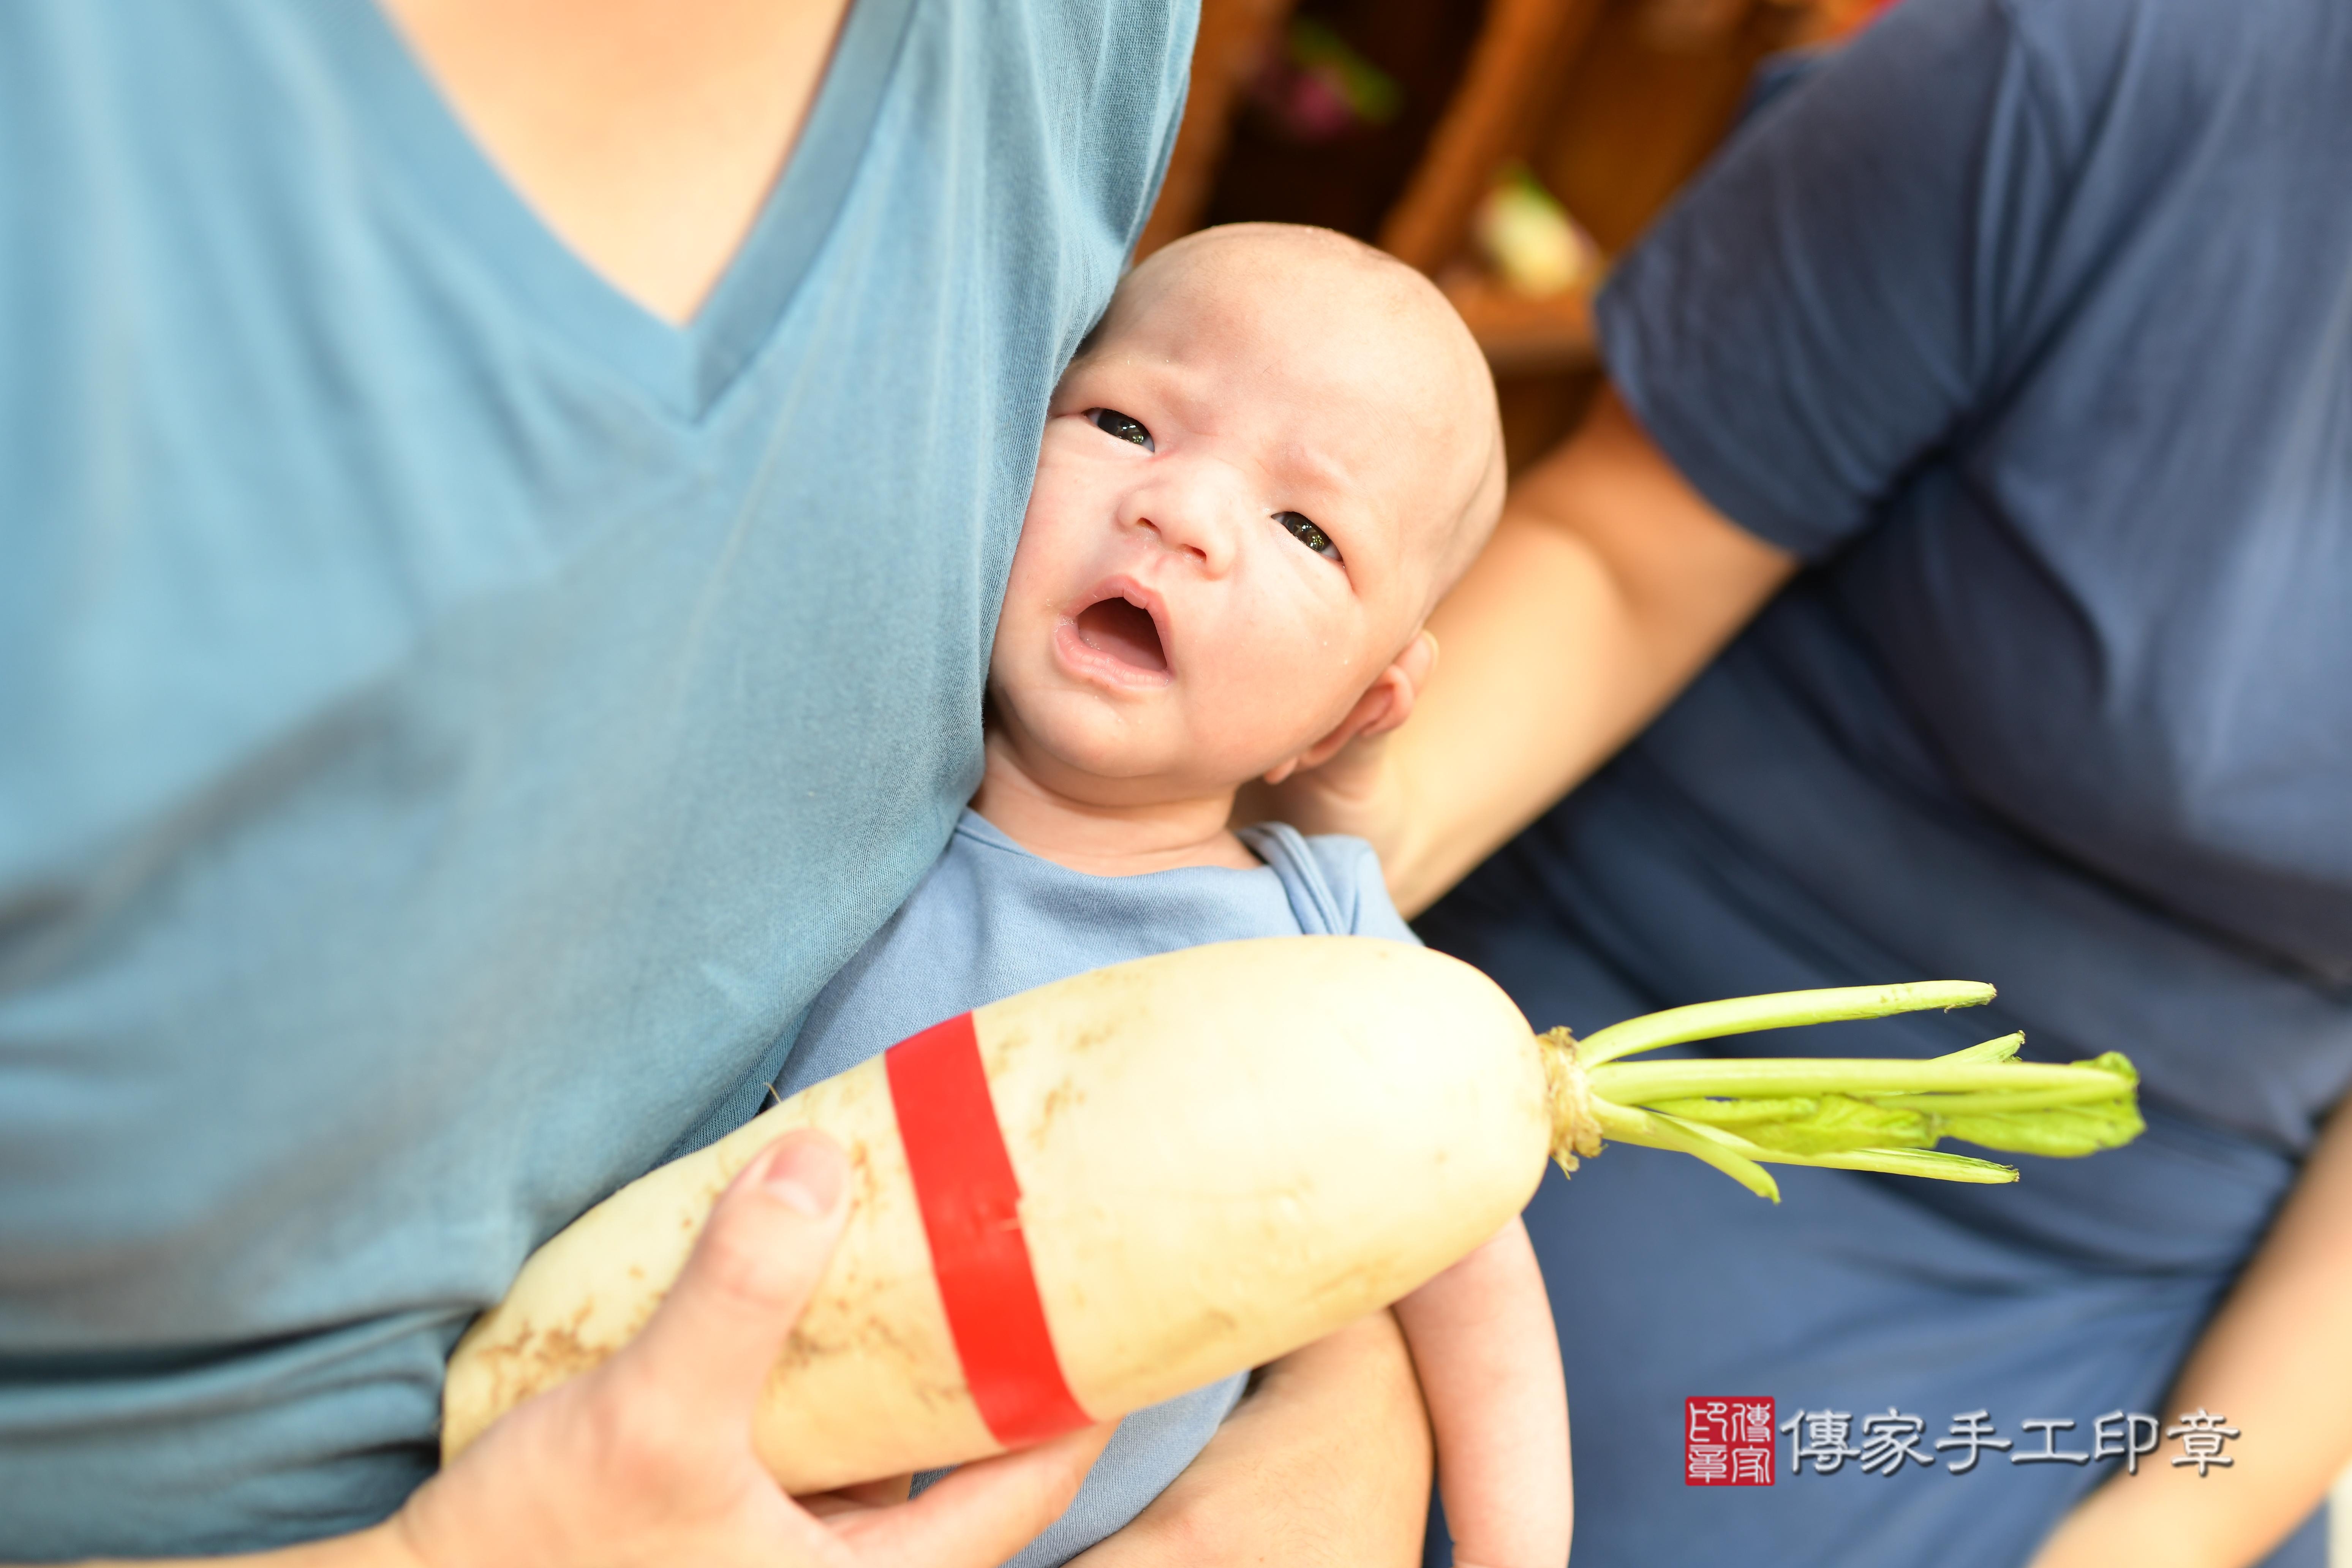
805,1174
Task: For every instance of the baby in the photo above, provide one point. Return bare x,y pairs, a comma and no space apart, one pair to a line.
1265,467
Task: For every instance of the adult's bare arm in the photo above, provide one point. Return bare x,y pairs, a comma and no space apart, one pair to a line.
2276,1361
1609,584
1327,1462
647,1461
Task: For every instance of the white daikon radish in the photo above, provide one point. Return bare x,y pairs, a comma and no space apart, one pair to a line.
1134,1182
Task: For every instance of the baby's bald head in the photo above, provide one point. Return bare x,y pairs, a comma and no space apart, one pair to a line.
1362,327
1261,473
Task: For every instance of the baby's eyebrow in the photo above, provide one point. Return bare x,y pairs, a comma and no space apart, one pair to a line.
1185,392
1305,461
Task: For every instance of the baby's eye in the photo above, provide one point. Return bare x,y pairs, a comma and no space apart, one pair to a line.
1309,535
1111,422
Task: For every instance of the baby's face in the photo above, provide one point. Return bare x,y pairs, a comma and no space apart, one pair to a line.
1243,505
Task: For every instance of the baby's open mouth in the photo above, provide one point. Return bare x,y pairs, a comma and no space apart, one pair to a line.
1124,631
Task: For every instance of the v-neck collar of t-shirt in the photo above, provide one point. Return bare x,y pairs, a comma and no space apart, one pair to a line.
684,369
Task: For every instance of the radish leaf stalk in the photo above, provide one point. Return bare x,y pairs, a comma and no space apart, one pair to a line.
1738,1114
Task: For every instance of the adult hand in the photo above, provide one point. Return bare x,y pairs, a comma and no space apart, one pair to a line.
1357,790
1325,1462
2276,1365
647,1461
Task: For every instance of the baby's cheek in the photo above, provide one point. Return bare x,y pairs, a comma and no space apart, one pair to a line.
1269,699
1012,615
1032,586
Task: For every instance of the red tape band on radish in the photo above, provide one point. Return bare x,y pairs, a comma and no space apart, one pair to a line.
971,1214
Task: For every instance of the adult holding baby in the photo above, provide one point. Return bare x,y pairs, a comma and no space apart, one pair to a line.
508,506
2005,366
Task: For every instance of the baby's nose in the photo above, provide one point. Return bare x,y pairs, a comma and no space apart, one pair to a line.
1194,519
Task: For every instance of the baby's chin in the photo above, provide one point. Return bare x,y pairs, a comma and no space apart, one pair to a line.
1067,741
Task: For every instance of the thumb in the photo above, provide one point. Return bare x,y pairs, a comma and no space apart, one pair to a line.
709,1348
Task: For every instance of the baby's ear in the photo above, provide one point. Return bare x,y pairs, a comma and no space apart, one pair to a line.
1385,704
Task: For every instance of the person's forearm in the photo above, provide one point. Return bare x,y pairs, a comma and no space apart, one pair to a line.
2276,1361
1327,1462
1608,587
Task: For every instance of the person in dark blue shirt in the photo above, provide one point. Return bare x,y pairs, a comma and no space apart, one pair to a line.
2005,365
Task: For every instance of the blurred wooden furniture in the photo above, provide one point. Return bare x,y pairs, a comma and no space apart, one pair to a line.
1229,50
1613,104
1524,47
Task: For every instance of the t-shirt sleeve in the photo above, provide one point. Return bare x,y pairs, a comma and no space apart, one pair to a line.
1851,279
1353,873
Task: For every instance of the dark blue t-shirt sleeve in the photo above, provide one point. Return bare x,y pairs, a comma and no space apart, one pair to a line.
1852,277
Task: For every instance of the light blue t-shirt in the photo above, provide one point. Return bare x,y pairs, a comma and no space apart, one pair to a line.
992,920
453,723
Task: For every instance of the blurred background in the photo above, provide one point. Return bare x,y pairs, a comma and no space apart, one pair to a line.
1508,149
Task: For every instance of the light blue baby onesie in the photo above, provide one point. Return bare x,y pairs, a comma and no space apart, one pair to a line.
990,920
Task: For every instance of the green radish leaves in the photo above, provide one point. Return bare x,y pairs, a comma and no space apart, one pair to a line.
1821,1125
2039,1124
1739,1113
